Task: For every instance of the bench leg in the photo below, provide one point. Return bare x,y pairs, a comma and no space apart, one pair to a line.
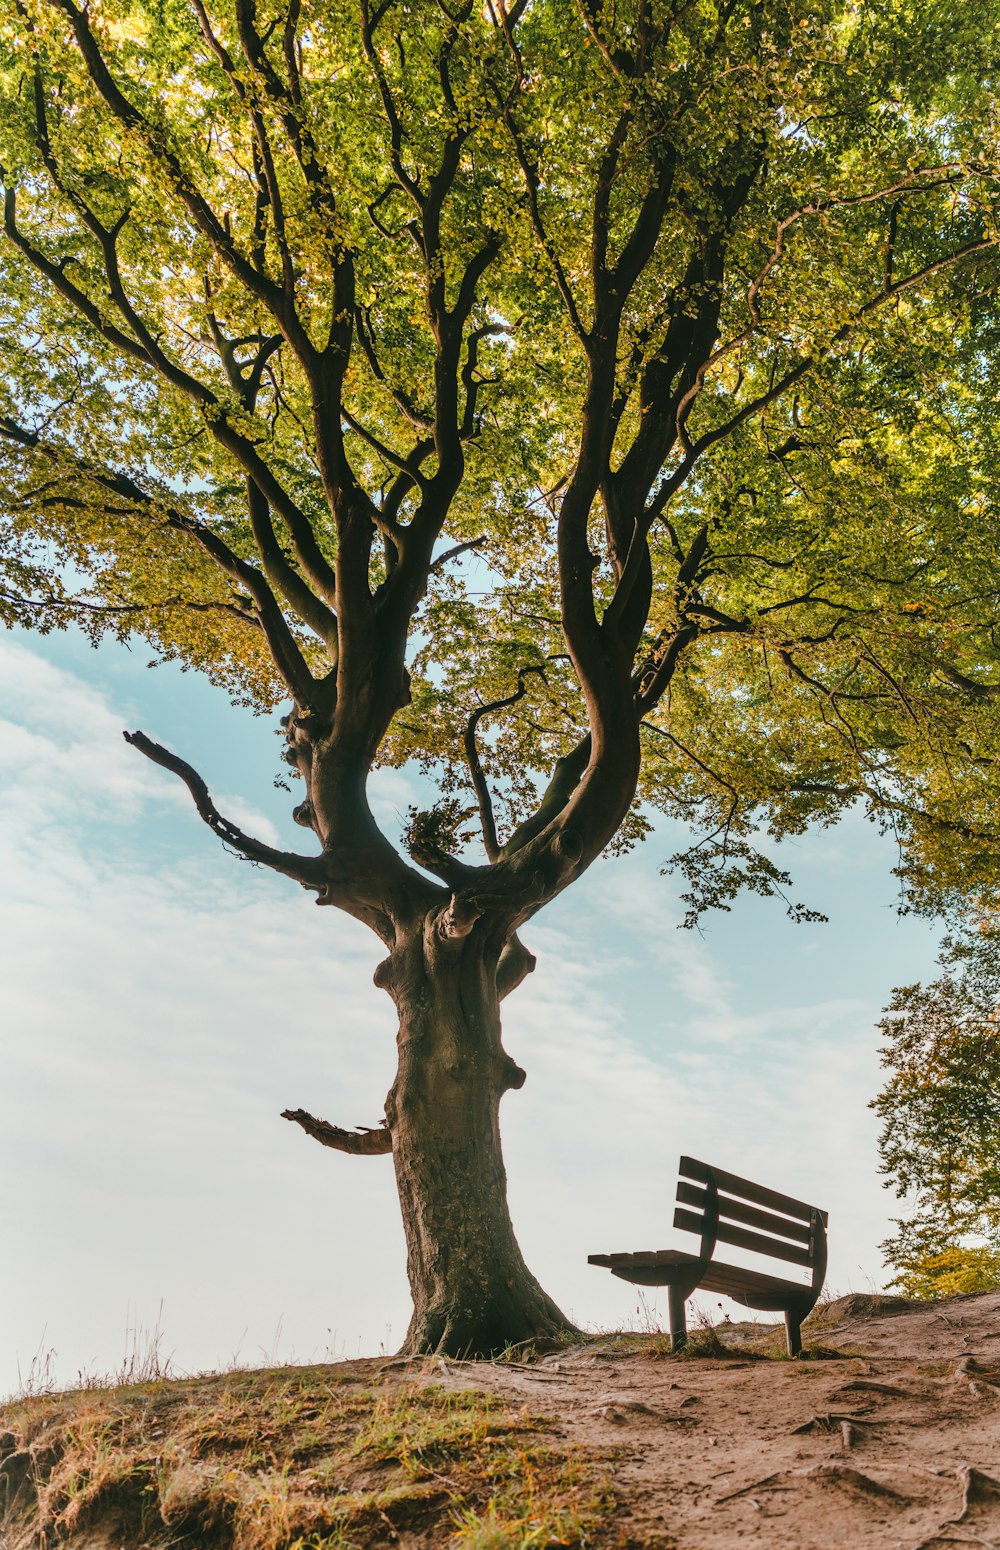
793,1333
676,1316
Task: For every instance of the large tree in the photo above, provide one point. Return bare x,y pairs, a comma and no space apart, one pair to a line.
592,400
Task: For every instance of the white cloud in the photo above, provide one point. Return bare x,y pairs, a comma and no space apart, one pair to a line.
61,744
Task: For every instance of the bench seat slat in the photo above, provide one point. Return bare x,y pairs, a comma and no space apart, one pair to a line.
741,1238
735,1281
647,1257
774,1298
665,1267
750,1216
723,1277
690,1168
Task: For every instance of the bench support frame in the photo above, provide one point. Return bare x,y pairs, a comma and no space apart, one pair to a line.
677,1317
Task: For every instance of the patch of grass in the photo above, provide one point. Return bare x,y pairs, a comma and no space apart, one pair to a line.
541,1499
297,1460
829,1353
142,1361
419,1427
705,1340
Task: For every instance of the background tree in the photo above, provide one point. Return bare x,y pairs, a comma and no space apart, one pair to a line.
940,1141
593,402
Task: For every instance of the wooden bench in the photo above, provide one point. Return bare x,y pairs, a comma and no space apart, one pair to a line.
722,1208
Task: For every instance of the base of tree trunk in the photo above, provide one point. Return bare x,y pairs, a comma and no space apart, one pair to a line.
464,1332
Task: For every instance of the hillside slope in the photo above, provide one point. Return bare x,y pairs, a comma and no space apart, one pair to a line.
887,1434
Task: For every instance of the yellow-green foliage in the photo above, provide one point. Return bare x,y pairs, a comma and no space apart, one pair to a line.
949,1272
940,1112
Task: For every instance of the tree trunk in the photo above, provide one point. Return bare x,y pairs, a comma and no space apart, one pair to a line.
472,1292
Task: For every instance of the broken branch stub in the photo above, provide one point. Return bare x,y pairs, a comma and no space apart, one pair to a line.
362,1142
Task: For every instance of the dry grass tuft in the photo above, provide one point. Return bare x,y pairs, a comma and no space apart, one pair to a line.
301,1459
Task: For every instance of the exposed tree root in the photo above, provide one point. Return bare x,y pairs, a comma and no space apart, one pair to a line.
869,1386
843,1474
834,1474
936,1540
980,1380
976,1487
830,1421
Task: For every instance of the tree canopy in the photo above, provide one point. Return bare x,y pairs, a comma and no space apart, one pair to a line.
392,258
595,402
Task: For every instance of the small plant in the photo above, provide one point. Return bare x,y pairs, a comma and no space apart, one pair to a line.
142,1361
40,1377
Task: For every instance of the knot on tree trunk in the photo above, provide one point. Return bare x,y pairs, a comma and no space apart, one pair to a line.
516,963
568,845
514,1076
458,917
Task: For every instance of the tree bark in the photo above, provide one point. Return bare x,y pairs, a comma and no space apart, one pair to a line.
473,1295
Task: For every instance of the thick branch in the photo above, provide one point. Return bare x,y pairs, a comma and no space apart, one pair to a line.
283,575
307,870
479,781
283,95
662,666
454,552
566,776
979,691
362,1142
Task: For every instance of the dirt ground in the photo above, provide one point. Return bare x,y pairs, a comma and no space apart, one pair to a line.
884,1436
895,1442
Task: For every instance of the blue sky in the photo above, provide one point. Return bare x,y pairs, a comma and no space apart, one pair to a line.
164,1002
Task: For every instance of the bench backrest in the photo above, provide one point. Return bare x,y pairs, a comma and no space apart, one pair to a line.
797,1235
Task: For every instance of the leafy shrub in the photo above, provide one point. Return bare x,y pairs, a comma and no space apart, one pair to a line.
949,1272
